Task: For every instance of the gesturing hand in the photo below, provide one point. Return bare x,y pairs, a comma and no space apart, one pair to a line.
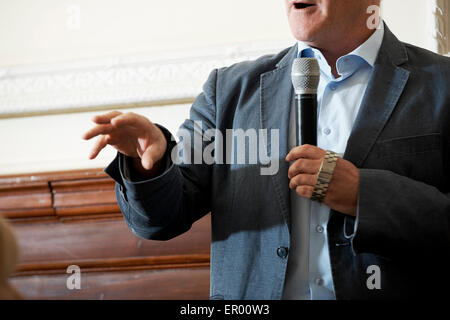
342,194
130,134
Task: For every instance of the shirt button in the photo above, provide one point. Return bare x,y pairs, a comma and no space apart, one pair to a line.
333,87
319,281
319,229
282,252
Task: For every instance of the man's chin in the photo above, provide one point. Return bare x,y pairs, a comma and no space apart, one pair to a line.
306,37
304,30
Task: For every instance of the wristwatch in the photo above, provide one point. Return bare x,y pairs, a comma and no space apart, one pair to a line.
325,175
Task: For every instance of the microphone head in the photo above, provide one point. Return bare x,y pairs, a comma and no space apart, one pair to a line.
305,75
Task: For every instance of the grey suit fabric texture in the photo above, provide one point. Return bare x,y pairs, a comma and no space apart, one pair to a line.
400,143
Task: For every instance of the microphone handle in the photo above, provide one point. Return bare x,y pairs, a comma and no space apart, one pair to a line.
306,118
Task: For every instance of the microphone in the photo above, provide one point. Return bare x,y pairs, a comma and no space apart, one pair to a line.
305,79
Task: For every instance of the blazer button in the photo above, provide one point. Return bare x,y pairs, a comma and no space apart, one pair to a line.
282,252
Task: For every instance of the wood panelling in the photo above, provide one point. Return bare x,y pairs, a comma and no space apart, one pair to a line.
72,218
85,241
120,264
57,194
30,199
187,283
84,196
27,178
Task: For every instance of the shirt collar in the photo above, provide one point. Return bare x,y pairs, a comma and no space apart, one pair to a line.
367,51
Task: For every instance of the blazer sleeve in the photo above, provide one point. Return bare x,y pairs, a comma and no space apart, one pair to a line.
398,216
166,206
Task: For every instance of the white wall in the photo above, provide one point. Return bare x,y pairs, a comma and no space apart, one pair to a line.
34,35
53,142
41,31
408,20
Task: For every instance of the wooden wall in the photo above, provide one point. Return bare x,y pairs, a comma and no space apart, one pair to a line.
71,218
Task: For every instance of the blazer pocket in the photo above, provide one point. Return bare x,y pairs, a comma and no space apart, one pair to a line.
417,157
404,146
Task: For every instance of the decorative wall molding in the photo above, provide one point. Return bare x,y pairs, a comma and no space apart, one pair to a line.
439,26
131,80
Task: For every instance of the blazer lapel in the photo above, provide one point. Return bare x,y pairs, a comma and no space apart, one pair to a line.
276,102
383,92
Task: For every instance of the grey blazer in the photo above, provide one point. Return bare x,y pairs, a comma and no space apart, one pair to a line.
400,142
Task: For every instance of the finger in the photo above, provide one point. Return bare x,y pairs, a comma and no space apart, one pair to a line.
147,159
302,166
128,118
106,118
151,155
305,191
99,145
97,130
305,151
303,180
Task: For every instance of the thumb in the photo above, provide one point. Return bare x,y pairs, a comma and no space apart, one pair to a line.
150,156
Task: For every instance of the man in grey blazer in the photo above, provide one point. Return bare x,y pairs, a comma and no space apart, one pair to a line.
387,204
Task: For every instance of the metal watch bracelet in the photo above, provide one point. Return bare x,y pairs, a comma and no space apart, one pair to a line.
325,176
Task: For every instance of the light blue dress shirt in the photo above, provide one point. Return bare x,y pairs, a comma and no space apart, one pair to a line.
308,275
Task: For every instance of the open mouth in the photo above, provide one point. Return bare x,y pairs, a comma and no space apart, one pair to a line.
303,5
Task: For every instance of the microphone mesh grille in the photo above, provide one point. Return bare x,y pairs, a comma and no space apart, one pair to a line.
305,75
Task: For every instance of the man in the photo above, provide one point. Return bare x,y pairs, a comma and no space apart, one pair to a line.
382,229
